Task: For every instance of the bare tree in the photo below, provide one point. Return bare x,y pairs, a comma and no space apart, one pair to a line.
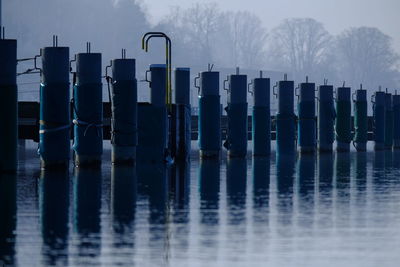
245,38
299,45
365,55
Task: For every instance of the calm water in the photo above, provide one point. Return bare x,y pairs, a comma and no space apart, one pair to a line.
338,210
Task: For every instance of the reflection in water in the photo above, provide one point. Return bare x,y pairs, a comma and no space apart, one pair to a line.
261,181
285,170
325,183
87,204
180,191
359,187
8,211
236,179
123,206
342,188
153,184
209,186
305,189
54,210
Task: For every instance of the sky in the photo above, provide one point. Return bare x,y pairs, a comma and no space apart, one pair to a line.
336,15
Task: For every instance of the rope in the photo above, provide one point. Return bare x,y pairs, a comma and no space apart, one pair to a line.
43,131
88,125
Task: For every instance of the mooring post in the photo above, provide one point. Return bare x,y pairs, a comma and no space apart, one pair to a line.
54,133
154,142
124,125
326,118
396,121
209,122
360,120
9,103
388,121
343,119
285,118
183,114
378,101
261,119
306,122
88,110
236,138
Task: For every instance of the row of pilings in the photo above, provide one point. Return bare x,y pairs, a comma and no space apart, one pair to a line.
160,131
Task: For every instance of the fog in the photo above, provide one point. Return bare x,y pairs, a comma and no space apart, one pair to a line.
352,41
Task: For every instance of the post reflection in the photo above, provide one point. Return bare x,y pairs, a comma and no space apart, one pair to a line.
8,211
359,188
180,192
123,207
342,188
54,210
209,187
285,170
305,189
87,205
153,185
236,180
261,181
325,185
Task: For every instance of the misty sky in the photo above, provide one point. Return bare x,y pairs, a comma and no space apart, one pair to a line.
336,15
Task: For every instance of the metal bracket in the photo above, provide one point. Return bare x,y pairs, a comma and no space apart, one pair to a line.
195,83
225,82
248,88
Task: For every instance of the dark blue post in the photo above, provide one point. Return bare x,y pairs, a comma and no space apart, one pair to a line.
183,110
54,143
396,121
326,118
388,121
236,139
378,101
9,104
306,122
153,119
360,120
343,119
261,119
124,111
209,114
88,110
285,118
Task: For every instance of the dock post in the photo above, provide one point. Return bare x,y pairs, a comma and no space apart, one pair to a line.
209,122
307,120
285,118
9,104
88,110
124,124
326,118
378,101
388,121
360,120
343,119
236,139
54,133
154,142
396,121
261,119
183,113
